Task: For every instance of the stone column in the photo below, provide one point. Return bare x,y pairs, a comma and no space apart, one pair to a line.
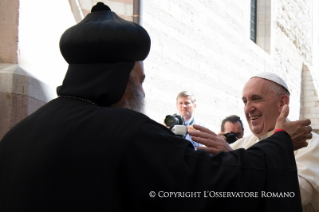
309,100
20,94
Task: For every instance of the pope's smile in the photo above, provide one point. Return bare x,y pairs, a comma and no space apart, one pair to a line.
254,117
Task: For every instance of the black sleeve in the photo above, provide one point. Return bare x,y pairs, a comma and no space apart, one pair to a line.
262,178
109,159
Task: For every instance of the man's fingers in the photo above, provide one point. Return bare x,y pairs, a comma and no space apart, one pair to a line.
306,122
201,134
198,134
190,128
304,144
309,136
205,141
203,129
309,129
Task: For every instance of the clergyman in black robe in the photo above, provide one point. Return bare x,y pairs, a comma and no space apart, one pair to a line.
77,153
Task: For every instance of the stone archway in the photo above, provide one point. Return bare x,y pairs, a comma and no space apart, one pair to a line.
309,101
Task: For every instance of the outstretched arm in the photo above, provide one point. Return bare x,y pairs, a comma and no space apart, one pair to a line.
299,132
213,142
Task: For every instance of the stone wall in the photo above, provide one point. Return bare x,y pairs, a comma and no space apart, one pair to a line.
294,54
309,96
204,46
20,95
123,8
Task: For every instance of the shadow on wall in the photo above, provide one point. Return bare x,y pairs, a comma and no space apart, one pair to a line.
20,95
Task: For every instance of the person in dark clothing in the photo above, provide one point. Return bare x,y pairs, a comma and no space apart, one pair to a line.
231,129
88,150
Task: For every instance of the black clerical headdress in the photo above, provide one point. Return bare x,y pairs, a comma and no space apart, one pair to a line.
101,51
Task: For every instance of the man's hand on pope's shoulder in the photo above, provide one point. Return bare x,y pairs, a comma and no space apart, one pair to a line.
299,130
213,142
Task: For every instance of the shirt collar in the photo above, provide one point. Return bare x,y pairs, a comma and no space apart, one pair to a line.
268,134
189,121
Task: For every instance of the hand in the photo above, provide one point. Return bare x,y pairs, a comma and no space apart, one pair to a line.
299,131
166,126
213,142
221,134
190,128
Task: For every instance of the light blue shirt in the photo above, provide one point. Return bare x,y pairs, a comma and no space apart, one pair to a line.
187,136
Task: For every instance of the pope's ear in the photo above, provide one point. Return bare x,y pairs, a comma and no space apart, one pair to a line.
284,100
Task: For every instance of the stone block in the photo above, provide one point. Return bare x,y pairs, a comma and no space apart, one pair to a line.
314,121
14,108
315,128
311,116
308,93
310,98
309,104
307,88
314,110
308,82
128,10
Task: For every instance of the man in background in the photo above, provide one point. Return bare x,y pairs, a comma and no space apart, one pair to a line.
186,106
231,129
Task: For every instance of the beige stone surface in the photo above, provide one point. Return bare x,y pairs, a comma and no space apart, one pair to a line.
15,107
20,95
9,22
310,99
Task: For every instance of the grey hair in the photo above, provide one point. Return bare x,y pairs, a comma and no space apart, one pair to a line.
278,89
186,94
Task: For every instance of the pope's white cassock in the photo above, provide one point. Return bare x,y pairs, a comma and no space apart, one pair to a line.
307,160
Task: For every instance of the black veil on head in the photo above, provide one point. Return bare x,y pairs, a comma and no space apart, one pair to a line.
101,51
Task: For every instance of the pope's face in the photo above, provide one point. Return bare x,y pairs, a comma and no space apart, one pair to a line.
262,106
185,107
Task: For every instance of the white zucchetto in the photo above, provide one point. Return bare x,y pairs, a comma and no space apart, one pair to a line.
272,77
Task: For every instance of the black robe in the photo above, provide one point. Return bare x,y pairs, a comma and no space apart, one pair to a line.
71,155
